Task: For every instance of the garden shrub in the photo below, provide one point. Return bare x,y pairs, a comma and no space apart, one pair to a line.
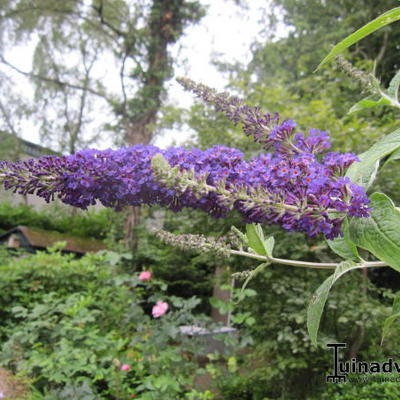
94,224
378,387
82,328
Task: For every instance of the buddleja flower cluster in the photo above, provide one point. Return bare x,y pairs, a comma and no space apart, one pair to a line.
292,185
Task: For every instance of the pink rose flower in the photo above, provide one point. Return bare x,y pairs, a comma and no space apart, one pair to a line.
145,276
160,309
125,367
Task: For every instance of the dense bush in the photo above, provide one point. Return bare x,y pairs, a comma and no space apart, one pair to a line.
72,324
378,387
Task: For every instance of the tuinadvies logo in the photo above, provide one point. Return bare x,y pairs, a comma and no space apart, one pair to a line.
343,368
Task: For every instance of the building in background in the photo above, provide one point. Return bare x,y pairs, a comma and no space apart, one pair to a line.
33,239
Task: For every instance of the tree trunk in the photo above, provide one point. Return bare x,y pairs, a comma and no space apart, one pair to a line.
165,25
131,222
137,133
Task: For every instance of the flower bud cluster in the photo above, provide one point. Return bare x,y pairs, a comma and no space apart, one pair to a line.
242,275
195,242
254,122
367,81
266,128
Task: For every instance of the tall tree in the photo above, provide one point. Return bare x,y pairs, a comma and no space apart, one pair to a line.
75,39
75,42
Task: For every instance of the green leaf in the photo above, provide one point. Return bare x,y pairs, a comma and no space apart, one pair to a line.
383,20
255,237
368,103
317,303
256,241
343,246
393,89
380,233
392,318
362,173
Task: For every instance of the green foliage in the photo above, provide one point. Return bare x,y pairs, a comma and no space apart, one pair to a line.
283,363
94,224
333,327
9,146
69,324
369,103
379,387
315,25
71,40
186,273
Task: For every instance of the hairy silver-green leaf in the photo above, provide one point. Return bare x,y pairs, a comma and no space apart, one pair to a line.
361,172
317,303
380,233
368,103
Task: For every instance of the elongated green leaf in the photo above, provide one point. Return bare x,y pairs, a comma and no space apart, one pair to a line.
317,303
368,103
392,318
255,237
393,89
361,172
256,240
343,246
380,233
383,20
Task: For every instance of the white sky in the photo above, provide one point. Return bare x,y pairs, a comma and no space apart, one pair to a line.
225,33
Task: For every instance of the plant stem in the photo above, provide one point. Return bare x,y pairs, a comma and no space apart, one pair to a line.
302,264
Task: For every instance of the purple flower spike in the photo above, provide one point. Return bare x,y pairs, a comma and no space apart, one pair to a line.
299,192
